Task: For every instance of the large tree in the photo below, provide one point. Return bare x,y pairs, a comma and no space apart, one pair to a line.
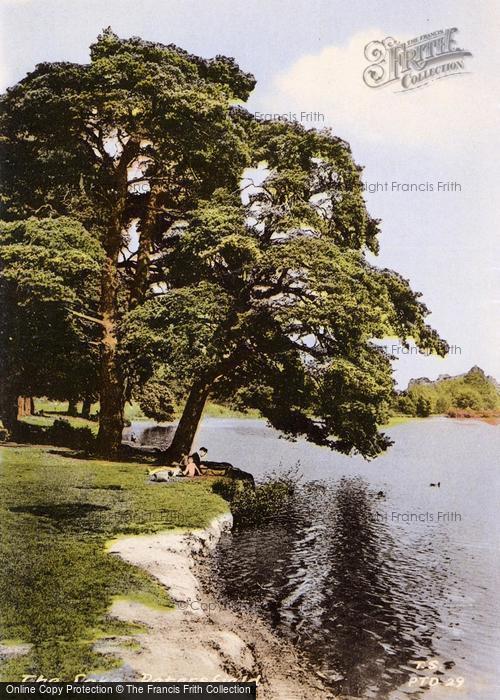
273,302
127,144
262,293
48,279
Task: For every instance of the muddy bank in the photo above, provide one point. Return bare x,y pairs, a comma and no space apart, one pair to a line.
200,639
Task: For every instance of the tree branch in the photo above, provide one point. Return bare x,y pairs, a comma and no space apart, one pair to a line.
92,319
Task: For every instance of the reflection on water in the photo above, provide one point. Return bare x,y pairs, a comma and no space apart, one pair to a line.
345,574
330,575
149,435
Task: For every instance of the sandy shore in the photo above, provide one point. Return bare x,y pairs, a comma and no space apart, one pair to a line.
200,639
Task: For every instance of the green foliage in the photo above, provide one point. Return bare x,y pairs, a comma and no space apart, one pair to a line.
467,398
404,403
64,434
308,164
156,401
48,271
442,404
261,292
61,433
472,392
289,304
422,407
56,581
254,505
169,107
175,335
132,139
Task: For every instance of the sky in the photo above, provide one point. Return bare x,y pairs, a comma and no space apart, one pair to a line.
308,57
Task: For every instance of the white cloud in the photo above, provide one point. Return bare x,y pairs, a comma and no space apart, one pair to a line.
445,112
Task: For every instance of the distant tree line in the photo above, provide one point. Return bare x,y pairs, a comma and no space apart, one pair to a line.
470,394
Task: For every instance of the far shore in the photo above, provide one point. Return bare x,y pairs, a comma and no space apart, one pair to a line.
48,411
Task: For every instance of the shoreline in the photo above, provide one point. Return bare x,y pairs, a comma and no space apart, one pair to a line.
200,636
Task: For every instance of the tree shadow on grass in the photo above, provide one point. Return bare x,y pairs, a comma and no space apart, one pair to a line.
130,456
60,511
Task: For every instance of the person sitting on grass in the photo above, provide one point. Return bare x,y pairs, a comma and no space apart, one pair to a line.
192,468
199,456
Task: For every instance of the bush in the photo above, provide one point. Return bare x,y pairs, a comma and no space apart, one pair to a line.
227,488
467,398
65,435
405,404
423,407
442,404
251,505
61,433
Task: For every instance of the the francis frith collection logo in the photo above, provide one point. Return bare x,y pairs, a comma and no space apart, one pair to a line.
414,63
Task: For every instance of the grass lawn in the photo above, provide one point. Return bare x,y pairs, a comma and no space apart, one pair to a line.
57,409
216,410
57,582
399,419
48,419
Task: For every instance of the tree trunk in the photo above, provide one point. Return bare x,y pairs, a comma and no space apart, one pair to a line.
9,411
112,385
188,424
86,407
72,408
109,437
141,278
24,406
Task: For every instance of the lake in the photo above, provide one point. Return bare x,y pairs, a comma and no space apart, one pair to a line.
388,584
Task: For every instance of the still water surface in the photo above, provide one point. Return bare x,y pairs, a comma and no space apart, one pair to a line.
388,593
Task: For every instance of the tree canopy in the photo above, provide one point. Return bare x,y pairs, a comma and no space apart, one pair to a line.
273,304
128,142
233,252
48,280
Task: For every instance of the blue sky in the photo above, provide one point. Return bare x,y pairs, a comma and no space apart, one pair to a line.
308,56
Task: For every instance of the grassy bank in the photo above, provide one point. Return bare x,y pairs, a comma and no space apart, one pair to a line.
56,581
57,409
399,419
